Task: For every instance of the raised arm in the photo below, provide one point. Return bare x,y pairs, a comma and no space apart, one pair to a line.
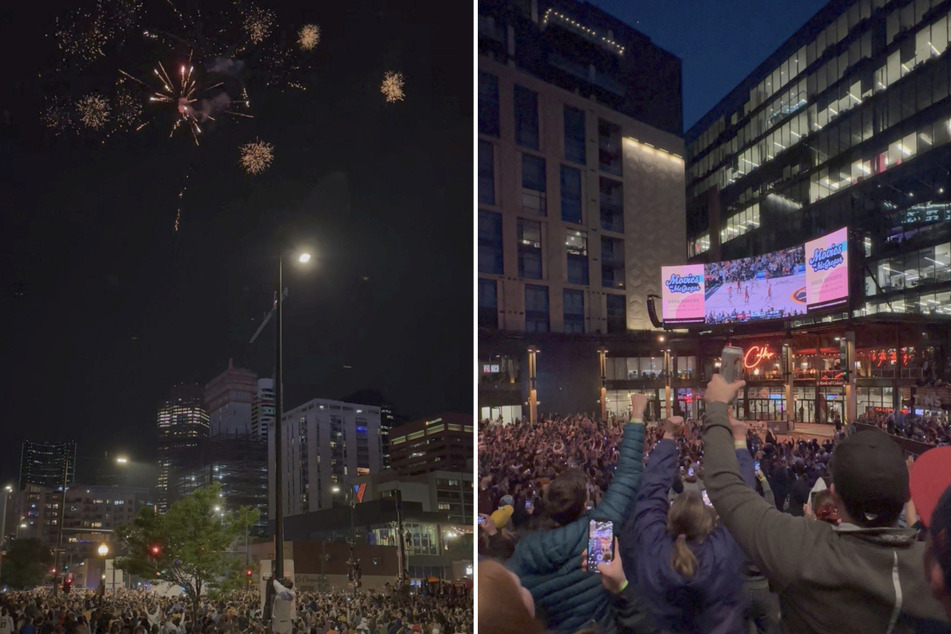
620,495
771,539
650,513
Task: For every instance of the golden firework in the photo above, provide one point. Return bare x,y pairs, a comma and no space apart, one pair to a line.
309,36
392,86
93,111
257,156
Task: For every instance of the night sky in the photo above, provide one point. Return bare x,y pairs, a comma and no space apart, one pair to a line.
720,42
104,306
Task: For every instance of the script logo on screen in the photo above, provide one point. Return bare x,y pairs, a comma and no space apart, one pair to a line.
684,283
825,259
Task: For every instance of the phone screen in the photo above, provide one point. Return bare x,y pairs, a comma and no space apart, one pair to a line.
812,499
706,498
482,520
756,464
600,543
690,472
528,504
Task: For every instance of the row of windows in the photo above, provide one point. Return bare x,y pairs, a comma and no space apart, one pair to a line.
738,224
921,268
801,59
527,122
537,309
535,195
928,42
530,251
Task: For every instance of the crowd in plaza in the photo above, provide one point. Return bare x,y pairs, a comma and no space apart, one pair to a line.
929,429
719,526
776,264
144,612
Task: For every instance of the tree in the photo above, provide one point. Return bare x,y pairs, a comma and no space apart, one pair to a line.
26,563
189,545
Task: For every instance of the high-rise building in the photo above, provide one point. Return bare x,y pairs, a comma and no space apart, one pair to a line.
580,194
327,446
238,464
228,401
182,422
846,124
47,464
440,443
262,408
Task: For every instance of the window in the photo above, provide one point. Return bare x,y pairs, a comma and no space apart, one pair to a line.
490,243
488,304
609,147
570,194
612,205
488,104
533,185
536,308
526,117
612,263
574,311
574,135
529,249
576,246
617,313
486,174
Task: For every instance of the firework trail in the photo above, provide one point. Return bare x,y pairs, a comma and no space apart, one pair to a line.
392,87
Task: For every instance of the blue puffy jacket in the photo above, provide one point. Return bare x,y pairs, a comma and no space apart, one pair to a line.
548,563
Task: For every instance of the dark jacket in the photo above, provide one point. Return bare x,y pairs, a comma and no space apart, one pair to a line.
842,579
548,562
714,600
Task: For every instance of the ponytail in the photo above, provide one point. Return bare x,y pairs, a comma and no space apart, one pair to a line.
682,559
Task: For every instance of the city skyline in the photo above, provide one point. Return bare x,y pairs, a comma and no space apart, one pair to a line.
138,261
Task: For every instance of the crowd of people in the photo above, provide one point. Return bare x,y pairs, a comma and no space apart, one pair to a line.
719,526
773,265
929,429
144,612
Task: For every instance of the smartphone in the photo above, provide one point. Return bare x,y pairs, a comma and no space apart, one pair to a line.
731,364
481,520
690,472
812,499
528,504
706,498
756,465
600,543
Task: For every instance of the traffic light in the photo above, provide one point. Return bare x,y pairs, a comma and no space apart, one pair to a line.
155,550
65,567
67,585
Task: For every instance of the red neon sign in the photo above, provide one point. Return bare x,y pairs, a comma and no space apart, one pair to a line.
756,355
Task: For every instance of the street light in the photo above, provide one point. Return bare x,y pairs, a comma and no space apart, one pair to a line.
122,460
103,551
278,570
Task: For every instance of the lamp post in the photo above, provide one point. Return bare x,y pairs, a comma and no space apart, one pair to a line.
278,570
7,490
103,551
602,364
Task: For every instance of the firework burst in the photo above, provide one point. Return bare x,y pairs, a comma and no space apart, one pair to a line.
58,115
258,23
93,111
256,157
308,37
392,87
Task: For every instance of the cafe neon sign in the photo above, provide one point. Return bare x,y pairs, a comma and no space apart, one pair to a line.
756,355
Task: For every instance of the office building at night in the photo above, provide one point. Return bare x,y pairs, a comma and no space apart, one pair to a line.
47,464
580,157
440,443
327,445
229,398
182,422
846,124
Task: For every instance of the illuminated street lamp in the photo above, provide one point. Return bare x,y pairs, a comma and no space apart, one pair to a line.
303,258
103,551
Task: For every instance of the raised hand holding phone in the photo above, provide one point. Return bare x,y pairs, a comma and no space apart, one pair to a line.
600,543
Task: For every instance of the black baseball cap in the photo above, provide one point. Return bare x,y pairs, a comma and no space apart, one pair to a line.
869,474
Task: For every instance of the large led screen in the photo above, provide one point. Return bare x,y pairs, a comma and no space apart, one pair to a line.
683,294
778,285
827,270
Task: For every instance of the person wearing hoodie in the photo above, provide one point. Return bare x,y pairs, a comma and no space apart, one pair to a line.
688,567
864,575
545,561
